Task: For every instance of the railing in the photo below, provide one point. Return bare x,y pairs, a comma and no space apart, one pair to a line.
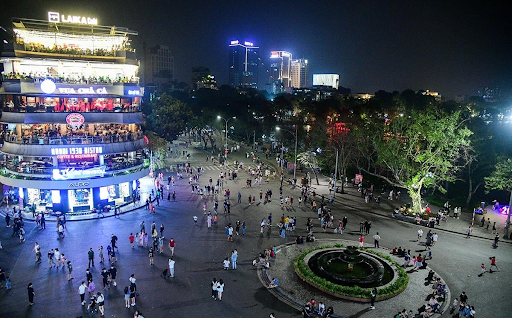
51,109
15,77
73,140
109,166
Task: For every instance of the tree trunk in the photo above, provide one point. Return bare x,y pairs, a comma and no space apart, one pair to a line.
316,176
416,200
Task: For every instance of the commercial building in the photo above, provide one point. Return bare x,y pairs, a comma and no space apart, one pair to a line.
280,70
243,64
71,119
326,80
299,73
202,78
158,68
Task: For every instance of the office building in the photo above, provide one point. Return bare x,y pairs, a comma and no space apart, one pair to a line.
243,64
280,70
299,73
70,99
326,80
158,68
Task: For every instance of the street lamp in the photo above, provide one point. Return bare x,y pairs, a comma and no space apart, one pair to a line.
295,161
226,138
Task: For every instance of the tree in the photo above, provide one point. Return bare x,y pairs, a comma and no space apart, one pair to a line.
159,148
310,160
168,117
419,151
500,179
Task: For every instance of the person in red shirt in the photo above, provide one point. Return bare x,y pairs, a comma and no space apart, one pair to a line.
493,264
312,303
132,239
361,241
171,246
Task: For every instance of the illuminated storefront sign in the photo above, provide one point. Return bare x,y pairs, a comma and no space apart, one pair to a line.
48,87
133,92
76,151
55,17
72,173
75,119
77,157
78,184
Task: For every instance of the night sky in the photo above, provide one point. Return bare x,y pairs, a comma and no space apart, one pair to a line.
452,47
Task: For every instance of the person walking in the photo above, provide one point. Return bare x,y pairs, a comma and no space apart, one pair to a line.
70,270
220,289
113,274
105,275
91,288
162,229
361,241
373,296
376,239
171,246
57,257
131,238
100,299
127,297
493,264
468,232
494,228
214,288
100,251
51,261
420,234
496,239
171,267
151,255
234,257
31,294
90,255
81,291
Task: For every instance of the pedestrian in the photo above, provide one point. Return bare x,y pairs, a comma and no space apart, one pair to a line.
161,244
225,264
195,220
127,297
361,241
133,282
376,239
31,294
100,299
8,283
51,261
493,263
488,223
468,232
171,267
243,228
57,257
209,220
131,238
105,276
482,270
113,240
151,255
496,239
81,291
90,255
220,289
162,229
70,270
373,296
100,251
91,288
132,294
234,257
88,275
113,273
171,246
494,228
420,234
214,285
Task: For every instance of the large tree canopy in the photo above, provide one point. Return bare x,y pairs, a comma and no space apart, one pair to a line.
167,117
414,151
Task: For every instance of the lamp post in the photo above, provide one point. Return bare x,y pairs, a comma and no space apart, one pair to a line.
226,138
295,161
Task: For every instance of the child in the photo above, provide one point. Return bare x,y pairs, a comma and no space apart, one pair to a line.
226,264
7,283
195,220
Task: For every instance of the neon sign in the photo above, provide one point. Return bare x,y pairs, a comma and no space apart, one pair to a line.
72,173
76,151
133,92
248,43
81,156
82,90
55,17
234,42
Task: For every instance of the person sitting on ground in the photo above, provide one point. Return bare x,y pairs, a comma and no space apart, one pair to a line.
310,238
274,283
299,240
394,251
430,276
400,252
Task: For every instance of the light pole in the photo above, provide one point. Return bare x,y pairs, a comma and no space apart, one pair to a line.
226,138
295,161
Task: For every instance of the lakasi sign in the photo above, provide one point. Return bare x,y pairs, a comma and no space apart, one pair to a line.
75,119
55,17
72,173
76,151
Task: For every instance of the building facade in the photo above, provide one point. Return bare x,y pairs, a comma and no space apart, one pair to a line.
280,70
243,64
299,73
158,67
71,119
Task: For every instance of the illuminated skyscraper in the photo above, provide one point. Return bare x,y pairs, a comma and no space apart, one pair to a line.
243,64
280,67
299,73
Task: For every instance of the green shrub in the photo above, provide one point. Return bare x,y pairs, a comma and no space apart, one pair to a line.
399,285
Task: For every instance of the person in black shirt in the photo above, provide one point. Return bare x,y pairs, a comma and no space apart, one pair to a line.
113,273
104,275
31,293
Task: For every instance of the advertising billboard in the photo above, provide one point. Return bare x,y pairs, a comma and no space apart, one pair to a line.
331,80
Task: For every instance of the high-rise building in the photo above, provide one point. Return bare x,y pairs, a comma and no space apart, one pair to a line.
243,64
326,80
202,78
158,67
280,70
299,73
71,117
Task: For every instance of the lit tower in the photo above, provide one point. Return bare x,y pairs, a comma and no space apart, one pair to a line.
243,64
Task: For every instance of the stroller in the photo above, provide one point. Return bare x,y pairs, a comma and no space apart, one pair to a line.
91,309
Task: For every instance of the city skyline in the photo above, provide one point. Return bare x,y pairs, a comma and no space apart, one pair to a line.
449,48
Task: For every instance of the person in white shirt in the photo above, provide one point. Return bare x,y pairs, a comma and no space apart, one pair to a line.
81,292
226,263
420,234
220,289
100,299
57,257
171,267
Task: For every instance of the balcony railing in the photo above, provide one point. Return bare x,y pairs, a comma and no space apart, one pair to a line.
73,140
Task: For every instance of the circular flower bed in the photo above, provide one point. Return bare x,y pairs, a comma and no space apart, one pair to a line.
354,293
